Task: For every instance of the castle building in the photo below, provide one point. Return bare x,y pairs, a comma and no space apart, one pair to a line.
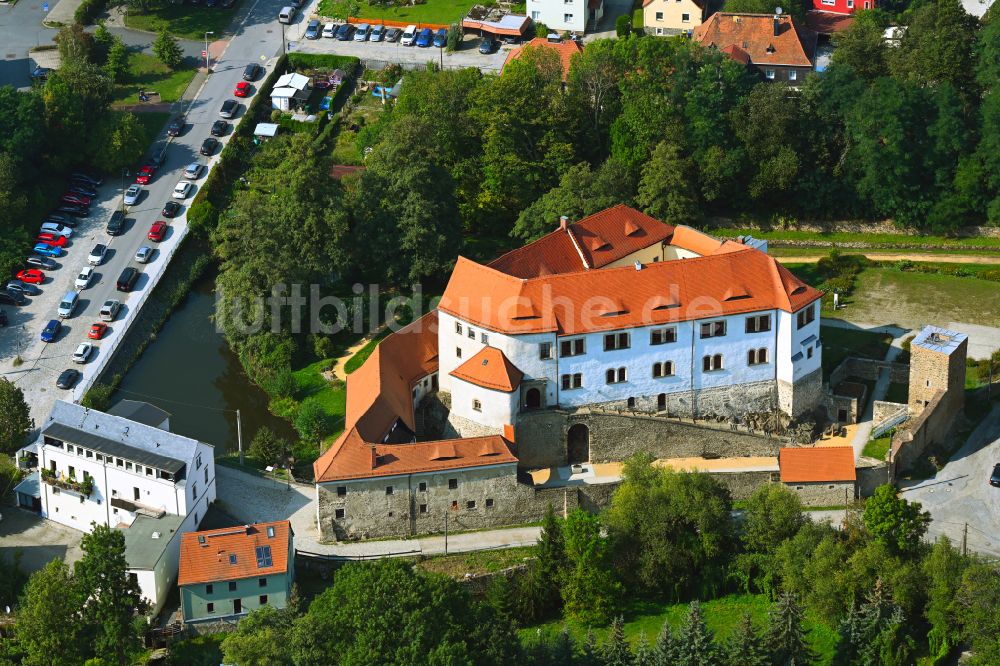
617,311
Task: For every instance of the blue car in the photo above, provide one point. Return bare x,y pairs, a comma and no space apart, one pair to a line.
424,38
51,330
47,250
344,32
441,38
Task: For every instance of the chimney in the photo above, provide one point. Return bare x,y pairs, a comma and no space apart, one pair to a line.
374,458
777,25
638,265
563,222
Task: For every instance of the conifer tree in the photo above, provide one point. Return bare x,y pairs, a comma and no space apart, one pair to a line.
616,651
695,644
786,635
745,646
665,648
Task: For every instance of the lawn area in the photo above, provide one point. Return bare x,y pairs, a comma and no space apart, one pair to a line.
184,21
310,383
877,448
147,73
152,124
443,12
484,561
362,354
902,239
839,343
721,615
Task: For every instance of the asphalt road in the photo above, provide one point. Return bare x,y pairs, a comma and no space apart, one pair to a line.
21,29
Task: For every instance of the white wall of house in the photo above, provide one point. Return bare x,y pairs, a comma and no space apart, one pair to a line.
559,15
799,352
484,406
665,17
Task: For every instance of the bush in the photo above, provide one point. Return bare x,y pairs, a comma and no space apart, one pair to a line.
285,408
88,11
454,37
312,421
323,347
323,61
623,25
267,448
202,216
98,397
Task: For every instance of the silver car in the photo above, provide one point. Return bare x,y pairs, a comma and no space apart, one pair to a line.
132,195
193,170
144,254
82,352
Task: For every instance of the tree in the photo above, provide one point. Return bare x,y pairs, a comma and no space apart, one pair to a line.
260,639
15,417
593,87
797,8
745,646
540,591
862,47
75,45
943,570
166,48
768,123
894,521
312,421
616,651
667,189
975,610
267,447
665,648
937,47
695,644
123,141
623,26
114,603
872,633
786,635
49,627
589,590
773,514
116,64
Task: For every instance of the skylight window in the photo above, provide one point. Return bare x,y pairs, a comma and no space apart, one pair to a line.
270,531
232,558
263,556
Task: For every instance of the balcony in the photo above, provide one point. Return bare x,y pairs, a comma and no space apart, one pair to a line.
82,488
137,508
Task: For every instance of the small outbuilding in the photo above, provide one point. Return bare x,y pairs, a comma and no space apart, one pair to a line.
290,90
265,131
819,475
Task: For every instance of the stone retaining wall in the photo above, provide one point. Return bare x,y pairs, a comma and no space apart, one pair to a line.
868,369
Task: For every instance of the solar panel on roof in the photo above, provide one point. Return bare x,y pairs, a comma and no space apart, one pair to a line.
263,557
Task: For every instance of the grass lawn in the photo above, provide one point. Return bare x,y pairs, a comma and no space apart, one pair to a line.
839,343
444,12
362,354
310,383
485,561
148,73
901,239
184,21
721,615
877,448
791,251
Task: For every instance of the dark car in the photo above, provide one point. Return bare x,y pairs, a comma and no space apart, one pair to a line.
116,225
995,477
229,108
43,263
344,32
51,330
12,298
64,220
488,45
91,178
424,38
126,281
74,210
208,146
68,378
220,128
392,34
77,187
251,72
176,126
313,29
40,73
170,209
441,38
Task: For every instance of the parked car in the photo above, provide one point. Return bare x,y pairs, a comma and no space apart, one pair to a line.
441,38
229,108
64,220
424,38
55,228
330,30
82,188
488,45
31,276
344,32
251,72
220,128
43,263
392,34
9,298
378,33
995,477
313,29
182,189
91,178
97,330
243,89
74,210
144,254
51,330
68,378
75,199
176,126
145,174
132,195
54,240
47,250
157,231
110,310
126,281
84,278
82,352
510,39
17,288
208,146
116,225
68,304
40,73
96,257
193,170
409,35
362,33
170,209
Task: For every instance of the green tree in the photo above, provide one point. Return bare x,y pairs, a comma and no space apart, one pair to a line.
116,63
15,417
593,88
797,8
260,639
894,521
786,634
745,645
124,141
773,514
166,48
667,190
937,47
114,603
623,26
540,592
103,40
643,652
75,45
590,592
21,135
615,651
768,123
665,648
975,610
267,447
312,421
943,570
862,47
49,628
695,642
872,633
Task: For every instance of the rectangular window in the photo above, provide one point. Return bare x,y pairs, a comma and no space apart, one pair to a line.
484,338
659,16
567,18
151,472
423,508
263,600
261,582
210,607
339,514
757,356
90,454
573,381
758,323
471,504
197,462
489,503
545,351
422,486
806,315
472,334
829,3
232,586
452,484
388,490
809,352
128,466
571,347
458,352
616,341
72,472
713,329
100,458
615,375
477,406
194,491
662,336
458,327
206,476
209,589
119,462
341,491
535,16
769,73
711,363
792,75
685,18
664,369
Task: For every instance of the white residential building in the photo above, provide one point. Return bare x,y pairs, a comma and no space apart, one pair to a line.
561,15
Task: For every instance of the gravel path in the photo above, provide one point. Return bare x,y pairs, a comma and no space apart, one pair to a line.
903,256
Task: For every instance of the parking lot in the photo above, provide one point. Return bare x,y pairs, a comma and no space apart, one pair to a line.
39,541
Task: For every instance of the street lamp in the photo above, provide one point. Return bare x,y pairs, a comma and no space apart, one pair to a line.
207,61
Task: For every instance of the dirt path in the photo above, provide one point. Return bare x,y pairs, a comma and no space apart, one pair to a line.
338,366
903,256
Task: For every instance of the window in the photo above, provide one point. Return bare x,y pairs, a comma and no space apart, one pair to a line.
210,607
458,352
806,315
769,73
792,75
206,476
341,491
119,462
567,18
471,504
484,338
197,462
232,558
809,352
458,327
422,487
209,589
710,363
79,450
423,508
263,554
665,369
535,16
477,406
338,514
615,341
72,472
388,490
232,586
545,351
661,336
194,491
571,347
685,18
454,505
472,334
452,484
713,329
573,381
615,375
757,356
100,458
263,600
270,531
489,503
630,403
659,16
758,323
261,582
90,454
151,472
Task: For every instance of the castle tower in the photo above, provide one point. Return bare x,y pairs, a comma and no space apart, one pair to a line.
937,363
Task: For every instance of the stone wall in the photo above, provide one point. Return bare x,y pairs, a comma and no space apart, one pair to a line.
868,369
917,434
742,484
871,477
845,226
824,494
802,397
882,411
835,403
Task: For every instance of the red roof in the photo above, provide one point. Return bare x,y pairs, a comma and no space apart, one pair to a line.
230,553
754,35
828,23
817,464
566,49
491,369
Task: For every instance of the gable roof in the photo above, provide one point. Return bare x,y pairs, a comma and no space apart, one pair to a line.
565,48
817,464
828,23
754,36
208,556
491,369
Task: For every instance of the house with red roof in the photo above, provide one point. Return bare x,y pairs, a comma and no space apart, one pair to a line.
564,48
819,475
774,46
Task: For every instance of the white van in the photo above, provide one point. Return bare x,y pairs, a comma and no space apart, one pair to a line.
68,304
409,35
286,14
330,30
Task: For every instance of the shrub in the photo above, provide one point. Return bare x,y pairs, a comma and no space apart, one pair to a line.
267,447
312,421
286,408
454,37
88,11
623,25
98,397
323,347
202,215
275,115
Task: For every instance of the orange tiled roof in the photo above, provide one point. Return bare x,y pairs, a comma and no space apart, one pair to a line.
566,49
754,35
211,561
491,369
817,464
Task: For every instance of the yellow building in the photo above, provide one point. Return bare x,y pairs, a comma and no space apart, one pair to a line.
672,17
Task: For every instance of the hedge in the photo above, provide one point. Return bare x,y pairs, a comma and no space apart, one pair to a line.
323,60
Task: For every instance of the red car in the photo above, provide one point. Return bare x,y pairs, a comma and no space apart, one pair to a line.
77,199
145,174
97,331
242,89
157,231
31,276
52,240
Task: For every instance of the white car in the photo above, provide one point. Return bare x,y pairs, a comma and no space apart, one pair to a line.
193,170
144,254
84,278
82,352
57,229
132,195
182,189
330,30
96,257
409,36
